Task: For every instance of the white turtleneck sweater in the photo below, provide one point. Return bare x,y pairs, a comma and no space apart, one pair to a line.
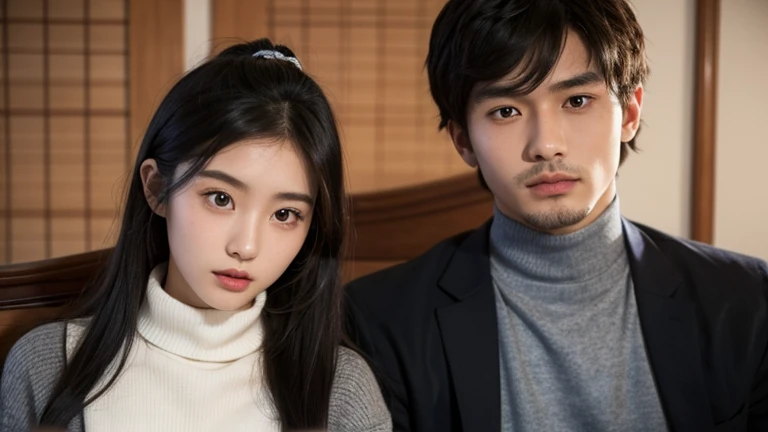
189,370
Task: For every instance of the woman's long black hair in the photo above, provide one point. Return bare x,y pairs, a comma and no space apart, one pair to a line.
232,97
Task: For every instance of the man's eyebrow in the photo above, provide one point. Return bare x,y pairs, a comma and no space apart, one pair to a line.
226,178
294,196
579,80
494,91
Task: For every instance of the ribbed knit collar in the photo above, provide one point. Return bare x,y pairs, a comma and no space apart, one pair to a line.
208,335
553,259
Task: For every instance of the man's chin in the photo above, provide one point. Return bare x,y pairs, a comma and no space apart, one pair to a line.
560,220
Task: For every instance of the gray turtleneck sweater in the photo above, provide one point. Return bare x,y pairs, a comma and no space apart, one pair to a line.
570,345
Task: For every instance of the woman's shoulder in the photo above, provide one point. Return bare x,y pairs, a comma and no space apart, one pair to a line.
356,400
30,373
38,353
42,342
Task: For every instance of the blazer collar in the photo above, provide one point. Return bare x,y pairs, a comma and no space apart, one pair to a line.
469,269
469,332
670,332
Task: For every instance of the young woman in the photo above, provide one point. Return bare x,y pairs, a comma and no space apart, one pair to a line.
220,306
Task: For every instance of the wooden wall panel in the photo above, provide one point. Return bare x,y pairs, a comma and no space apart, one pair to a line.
237,20
156,49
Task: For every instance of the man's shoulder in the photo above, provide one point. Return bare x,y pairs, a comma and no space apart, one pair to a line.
704,262
422,271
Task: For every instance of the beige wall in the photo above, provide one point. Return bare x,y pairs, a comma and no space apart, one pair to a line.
197,32
741,216
654,184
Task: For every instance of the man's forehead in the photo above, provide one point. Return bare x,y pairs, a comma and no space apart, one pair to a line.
555,75
574,59
557,80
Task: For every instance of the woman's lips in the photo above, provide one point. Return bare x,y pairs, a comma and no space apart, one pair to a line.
232,283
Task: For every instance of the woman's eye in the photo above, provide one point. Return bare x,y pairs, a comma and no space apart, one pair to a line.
220,199
505,112
578,101
285,215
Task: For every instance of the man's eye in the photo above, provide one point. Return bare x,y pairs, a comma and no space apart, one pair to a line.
578,101
505,112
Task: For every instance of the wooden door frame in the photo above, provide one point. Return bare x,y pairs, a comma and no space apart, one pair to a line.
705,120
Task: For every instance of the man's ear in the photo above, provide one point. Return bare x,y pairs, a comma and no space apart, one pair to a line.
631,120
462,143
152,181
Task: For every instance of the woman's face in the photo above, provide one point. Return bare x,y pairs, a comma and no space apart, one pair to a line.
238,224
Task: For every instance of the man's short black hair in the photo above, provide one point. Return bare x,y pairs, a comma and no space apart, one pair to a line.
475,41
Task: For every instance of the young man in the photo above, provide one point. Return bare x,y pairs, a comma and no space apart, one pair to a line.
558,314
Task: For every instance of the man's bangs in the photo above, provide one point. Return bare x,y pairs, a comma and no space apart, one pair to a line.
531,61
526,73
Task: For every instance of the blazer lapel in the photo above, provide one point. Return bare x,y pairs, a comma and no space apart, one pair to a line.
470,334
670,333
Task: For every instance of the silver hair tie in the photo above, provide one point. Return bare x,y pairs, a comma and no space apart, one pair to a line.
272,54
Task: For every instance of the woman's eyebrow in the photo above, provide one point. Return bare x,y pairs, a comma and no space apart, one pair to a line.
226,178
294,196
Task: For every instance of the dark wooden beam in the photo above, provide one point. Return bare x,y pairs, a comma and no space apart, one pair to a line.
705,120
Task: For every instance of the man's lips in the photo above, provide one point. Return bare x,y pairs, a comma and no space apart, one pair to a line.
550,178
552,189
552,184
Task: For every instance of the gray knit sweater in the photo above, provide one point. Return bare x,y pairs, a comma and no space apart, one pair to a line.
36,361
571,349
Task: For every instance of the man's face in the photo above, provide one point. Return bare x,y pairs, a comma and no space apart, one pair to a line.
550,157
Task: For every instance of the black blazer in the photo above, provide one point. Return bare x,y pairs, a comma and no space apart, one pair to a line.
429,328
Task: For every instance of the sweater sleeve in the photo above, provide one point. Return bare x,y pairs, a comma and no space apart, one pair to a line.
29,375
356,401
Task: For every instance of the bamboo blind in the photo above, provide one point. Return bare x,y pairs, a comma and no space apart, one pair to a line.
369,57
63,103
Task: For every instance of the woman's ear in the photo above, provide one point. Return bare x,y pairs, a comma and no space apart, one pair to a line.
152,181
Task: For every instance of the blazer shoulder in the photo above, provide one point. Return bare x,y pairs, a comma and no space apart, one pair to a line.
429,265
707,262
